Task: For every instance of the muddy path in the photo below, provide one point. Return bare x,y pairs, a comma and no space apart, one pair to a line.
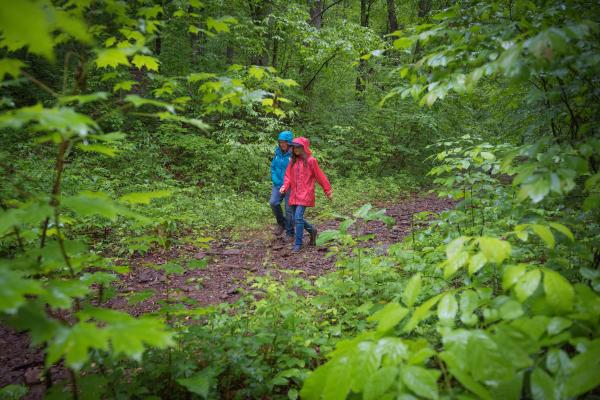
226,266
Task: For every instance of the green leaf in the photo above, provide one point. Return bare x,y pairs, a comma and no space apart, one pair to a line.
527,284
403,43
544,233
112,58
543,386
10,66
455,263
463,377
511,309
379,383
559,291
476,263
98,148
149,62
84,98
412,290
170,268
562,229
60,294
421,313
138,101
128,335
124,85
511,275
13,392
447,309
388,317
144,197
585,372
219,25
421,381
74,344
199,383
14,288
495,250
200,76
327,236
33,32
257,72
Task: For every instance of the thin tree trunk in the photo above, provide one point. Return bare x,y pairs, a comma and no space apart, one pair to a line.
391,12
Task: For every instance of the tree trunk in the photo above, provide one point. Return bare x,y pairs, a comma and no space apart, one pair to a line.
423,8
362,64
316,13
392,20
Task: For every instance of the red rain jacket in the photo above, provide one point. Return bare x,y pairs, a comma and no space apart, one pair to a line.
300,178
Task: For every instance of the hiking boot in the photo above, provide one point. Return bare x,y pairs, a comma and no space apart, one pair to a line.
313,237
296,249
279,230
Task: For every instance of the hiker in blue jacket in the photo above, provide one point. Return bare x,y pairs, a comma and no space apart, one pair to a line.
279,164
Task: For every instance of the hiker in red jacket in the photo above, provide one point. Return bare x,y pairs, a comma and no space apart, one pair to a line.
300,177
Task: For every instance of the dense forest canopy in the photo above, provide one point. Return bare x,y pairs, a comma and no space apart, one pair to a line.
136,143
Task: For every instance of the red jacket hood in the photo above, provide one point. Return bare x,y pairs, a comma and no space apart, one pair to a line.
305,145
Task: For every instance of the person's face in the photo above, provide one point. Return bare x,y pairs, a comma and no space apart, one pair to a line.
298,150
283,145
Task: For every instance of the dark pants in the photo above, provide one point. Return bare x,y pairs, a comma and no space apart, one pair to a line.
275,203
300,223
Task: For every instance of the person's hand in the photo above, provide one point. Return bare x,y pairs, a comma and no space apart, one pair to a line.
282,190
329,196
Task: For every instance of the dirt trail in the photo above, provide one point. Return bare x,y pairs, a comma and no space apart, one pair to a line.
229,265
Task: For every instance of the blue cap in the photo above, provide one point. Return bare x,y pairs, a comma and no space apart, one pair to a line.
286,136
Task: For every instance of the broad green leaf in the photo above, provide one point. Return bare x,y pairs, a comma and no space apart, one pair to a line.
585,372
559,291
379,383
33,32
128,335
14,288
199,383
327,236
60,294
389,316
456,246
543,386
544,233
112,58
98,148
455,263
421,381
421,313
447,309
144,197
495,250
138,101
10,66
527,284
468,303
562,229
511,275
83,98
124,85
476,263
412,290
463,376
74,344
200,76
256,72
170,268
149,62
511,309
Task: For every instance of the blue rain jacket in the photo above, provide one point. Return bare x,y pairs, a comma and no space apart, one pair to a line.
280,160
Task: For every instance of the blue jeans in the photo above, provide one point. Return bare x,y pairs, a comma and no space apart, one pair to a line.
275,203
301,224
